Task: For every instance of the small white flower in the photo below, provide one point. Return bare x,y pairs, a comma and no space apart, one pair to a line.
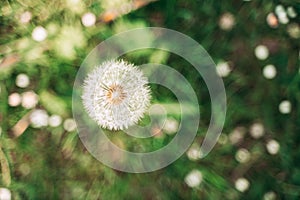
55,120
223,139
171,126
194,178
116,95
29,99
257,130
242,155
223,69
285,107
269,71
273,147
269,196
242,184
194,152
279,9
227,21
291,12
39,33
88,19
5,194
38,118
237,135
22,80
69,125
14,99
25,17
261,52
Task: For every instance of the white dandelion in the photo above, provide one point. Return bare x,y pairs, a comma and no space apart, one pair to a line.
116,95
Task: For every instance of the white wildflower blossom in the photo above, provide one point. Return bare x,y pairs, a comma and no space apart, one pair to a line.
194,178
273,147
242,184
285,107
69,125
39,118
269,196
257,130
261,52
116,95
54,120
5,194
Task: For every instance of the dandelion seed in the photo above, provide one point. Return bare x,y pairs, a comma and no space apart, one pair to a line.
116,95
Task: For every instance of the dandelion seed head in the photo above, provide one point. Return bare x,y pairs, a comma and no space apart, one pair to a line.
116,95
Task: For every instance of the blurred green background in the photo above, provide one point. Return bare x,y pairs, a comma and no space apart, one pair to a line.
255,45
